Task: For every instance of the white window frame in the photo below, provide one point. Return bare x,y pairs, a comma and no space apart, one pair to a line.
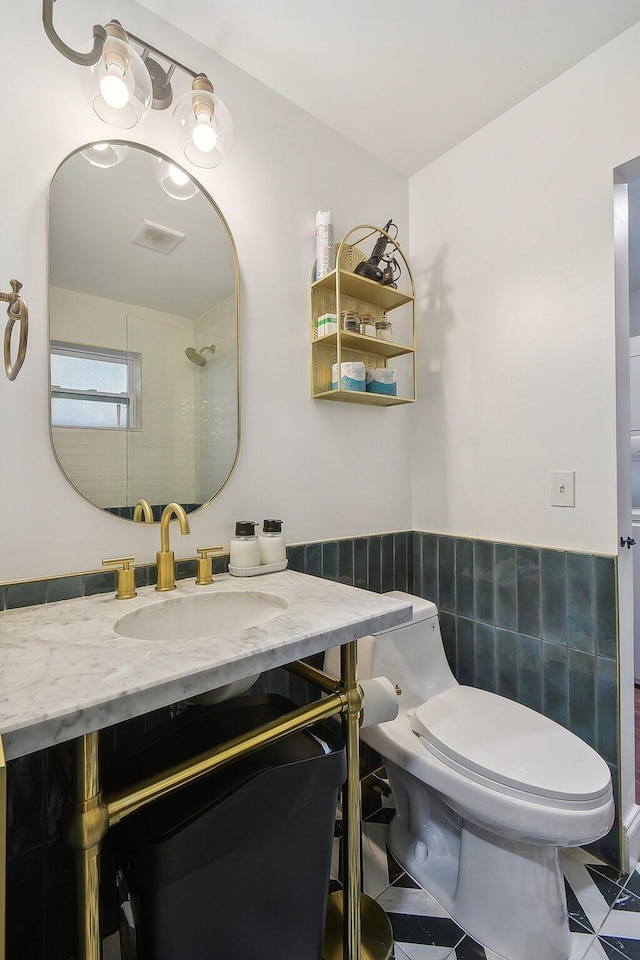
131,399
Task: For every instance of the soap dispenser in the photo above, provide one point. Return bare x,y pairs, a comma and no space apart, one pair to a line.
244,550
271,540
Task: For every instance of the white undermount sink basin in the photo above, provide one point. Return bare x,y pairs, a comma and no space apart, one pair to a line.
202,615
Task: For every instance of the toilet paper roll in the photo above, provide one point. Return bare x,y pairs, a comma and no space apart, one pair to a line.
381,702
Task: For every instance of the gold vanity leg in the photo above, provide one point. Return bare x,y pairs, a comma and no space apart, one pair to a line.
3,851
357,928
89,825
351,810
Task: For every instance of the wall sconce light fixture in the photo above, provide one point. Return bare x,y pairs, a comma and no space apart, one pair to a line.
125,85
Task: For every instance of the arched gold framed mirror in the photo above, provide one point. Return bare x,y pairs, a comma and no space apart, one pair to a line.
144,325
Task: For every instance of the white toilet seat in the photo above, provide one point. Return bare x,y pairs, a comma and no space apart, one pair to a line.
510,748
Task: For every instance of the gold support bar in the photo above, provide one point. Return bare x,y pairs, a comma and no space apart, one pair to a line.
95,814
357,927
88,827
120,805
351,804
313,675
3,850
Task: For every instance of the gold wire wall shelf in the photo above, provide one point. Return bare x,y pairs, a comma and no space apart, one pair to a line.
343,290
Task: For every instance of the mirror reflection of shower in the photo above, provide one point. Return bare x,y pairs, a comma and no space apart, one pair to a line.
198,356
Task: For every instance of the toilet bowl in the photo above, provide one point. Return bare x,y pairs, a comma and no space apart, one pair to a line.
486,792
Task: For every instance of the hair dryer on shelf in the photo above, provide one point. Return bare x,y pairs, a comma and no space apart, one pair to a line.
371,269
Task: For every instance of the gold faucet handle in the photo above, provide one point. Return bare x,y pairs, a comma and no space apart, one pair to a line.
125,577
205,565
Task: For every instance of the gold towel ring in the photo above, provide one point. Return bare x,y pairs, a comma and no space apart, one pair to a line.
16,311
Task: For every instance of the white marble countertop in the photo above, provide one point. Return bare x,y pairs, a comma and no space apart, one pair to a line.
65,671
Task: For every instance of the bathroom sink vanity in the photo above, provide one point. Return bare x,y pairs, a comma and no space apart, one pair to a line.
74,667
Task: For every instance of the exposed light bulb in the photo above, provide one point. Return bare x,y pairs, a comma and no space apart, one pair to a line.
113,88
179,177
204,124
204,136
104,155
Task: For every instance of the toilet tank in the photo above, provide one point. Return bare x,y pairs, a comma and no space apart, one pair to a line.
411,655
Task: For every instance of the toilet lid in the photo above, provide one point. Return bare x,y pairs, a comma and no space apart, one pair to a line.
510,744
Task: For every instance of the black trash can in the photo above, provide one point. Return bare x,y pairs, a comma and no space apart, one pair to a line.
236,865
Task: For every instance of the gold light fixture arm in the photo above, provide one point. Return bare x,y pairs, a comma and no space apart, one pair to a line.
99,38
18,313
148,48
83,59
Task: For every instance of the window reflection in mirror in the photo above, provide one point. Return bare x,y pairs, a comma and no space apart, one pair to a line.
92,387
143,309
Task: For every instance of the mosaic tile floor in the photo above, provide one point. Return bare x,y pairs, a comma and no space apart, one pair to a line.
604,905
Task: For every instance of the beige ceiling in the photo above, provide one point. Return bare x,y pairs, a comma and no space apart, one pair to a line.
409,79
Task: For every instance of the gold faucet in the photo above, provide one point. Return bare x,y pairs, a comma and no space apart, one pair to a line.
141,509
165,559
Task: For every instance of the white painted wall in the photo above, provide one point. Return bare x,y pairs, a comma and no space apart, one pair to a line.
306,461
512,253
512,245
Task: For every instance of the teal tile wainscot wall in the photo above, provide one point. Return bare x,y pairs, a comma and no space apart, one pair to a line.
536,625
533,624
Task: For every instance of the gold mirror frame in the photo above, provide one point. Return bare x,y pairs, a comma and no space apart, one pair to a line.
162,159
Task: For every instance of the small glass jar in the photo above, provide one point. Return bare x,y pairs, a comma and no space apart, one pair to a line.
384,330
350,321
367,325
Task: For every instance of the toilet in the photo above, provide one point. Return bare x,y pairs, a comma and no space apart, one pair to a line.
486,792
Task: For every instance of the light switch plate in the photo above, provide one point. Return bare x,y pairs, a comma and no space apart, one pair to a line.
563,489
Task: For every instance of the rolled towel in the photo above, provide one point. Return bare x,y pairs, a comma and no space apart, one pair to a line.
381,380
352,376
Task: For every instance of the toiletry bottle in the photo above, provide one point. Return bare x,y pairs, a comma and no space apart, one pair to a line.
325,256
272,546
244,550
